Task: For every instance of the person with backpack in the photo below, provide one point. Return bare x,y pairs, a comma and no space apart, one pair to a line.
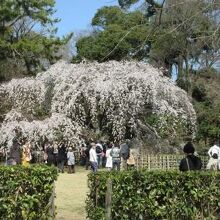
116,157
99,152
214,151
190,162
214,154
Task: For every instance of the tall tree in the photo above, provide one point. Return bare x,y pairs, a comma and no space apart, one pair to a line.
117,35
22,47
185,34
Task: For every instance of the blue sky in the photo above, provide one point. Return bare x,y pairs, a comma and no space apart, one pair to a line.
76,15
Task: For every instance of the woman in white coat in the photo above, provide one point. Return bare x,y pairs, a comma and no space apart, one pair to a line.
109,157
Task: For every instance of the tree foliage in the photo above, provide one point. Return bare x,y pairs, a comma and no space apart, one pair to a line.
27,36
207,104
168,33
116,36
180,36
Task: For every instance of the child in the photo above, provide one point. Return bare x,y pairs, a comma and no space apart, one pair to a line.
71,160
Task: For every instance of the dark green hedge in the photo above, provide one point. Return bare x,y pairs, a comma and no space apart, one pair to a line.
156,195
25,191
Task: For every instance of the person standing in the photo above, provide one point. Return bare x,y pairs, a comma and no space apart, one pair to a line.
55,152
26,154
214,160
109,163
116,157
125,153
50,154
105,146
15,151
71,160
93,158
88,147
131,161
99,152
61,157
190,162
214,150
82,155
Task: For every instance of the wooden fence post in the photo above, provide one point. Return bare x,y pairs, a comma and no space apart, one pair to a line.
52,204
108,200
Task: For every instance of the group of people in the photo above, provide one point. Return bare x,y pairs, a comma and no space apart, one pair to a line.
193,162
118,157
59,154
20,153
109,155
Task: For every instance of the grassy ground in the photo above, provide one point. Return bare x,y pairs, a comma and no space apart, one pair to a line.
71,192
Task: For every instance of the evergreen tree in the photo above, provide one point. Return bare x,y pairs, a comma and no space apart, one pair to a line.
23,49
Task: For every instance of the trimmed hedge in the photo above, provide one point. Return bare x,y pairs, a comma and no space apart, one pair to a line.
25,191
155,195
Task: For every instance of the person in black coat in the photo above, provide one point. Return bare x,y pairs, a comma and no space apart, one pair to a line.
50,154
61,157
88,147
190,162
15,151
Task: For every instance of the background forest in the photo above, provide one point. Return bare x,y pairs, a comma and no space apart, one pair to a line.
181,37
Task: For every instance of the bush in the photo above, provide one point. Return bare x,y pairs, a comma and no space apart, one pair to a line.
155,195
25,191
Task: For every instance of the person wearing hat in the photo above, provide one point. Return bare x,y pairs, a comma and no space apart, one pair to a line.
190,162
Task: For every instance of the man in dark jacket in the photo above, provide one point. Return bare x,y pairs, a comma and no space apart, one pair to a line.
88,147
190,162
125,153
61,157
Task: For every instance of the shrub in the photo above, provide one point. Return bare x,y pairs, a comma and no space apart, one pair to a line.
25,191
155,195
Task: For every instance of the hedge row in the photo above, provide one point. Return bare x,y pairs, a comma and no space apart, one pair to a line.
25,191
155,195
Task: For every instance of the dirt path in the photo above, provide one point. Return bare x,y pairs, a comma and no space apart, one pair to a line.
71,192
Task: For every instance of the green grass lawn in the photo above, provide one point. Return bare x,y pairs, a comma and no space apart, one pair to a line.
71,192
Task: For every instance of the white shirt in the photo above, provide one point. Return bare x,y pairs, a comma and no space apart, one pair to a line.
214,150
92,155
70,158
109,159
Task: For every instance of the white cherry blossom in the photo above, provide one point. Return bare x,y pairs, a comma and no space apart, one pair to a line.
111,97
